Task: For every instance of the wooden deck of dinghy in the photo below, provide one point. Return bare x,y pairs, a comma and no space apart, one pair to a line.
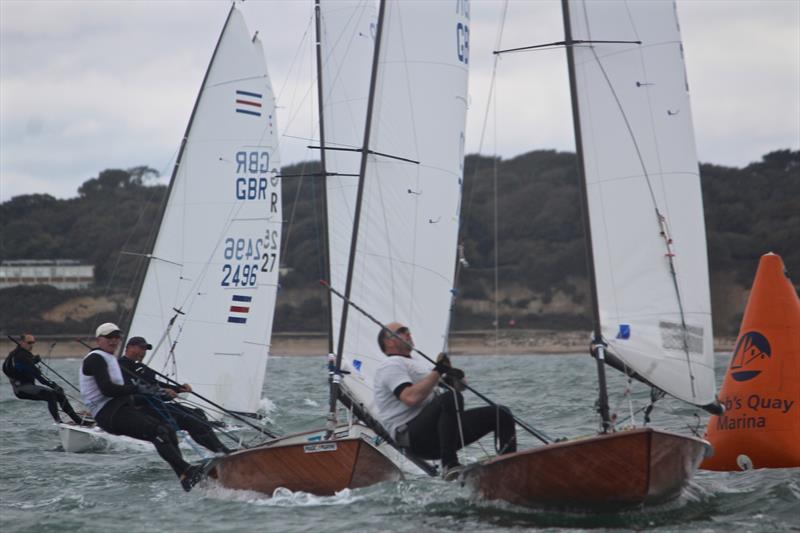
320,468
611,471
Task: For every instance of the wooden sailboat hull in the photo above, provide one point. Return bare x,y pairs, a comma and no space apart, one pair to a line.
322,468
611,471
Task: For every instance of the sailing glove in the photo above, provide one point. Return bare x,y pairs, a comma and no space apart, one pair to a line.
454,373
455,379
144,388
442,364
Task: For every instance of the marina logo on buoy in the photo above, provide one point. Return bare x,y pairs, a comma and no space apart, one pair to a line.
752,353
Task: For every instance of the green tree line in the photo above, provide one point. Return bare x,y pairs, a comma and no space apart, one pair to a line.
540,253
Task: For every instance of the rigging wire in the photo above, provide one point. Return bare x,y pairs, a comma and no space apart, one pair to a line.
295,202
417,170
310,85
489,100
496,240
318,224
287,238
491,106
302,43
459,411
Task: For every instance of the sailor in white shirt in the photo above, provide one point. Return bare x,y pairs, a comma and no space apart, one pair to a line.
104,392
409,407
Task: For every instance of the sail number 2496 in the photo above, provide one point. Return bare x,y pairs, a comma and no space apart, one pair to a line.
247,257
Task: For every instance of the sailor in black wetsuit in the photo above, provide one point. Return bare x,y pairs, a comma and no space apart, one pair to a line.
105,393
191,420
23,373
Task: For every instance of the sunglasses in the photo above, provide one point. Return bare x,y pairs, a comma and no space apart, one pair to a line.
113,336
402,330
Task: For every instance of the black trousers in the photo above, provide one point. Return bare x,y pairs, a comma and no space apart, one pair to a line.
29,391
434,433
200,430
121,417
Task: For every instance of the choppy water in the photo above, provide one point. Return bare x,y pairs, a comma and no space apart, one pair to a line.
44,489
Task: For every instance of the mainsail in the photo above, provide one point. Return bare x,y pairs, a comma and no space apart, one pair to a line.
214,265
405,248
644,198
347,39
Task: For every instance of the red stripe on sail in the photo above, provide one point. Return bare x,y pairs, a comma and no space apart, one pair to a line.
247,102
239,309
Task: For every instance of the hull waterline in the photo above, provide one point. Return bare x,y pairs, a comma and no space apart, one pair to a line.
322,468
607,471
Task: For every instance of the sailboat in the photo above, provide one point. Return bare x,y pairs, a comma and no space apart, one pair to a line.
392,204
207,299
644,230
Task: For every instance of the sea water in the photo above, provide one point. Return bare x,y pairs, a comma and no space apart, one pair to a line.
130,489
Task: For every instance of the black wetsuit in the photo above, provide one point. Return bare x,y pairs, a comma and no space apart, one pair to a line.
26,373
121,416
191,420
434,432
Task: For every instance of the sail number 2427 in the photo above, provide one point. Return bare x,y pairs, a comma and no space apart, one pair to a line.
247,257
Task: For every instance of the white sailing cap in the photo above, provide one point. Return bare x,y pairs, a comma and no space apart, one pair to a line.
106,329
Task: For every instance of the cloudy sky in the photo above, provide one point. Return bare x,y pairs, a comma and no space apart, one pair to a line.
90,85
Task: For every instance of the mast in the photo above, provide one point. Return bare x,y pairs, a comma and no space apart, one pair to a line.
326,272
597,341
175,168
334,391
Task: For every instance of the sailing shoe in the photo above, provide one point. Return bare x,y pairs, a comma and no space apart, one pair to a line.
452,472
191,477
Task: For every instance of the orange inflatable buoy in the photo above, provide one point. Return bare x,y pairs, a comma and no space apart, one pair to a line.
761,391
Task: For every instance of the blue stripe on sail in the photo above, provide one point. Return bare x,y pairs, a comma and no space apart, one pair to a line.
246,112
237,320
238,298
247,93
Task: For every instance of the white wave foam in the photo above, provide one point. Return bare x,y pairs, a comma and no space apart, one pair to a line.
265,405
280,498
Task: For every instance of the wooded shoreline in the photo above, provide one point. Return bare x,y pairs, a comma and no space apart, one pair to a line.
541,265
478,342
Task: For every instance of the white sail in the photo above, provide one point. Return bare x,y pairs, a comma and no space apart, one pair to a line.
640,163
216,255
347,41
406,245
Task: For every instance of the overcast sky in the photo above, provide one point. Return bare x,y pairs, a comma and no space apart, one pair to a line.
90,85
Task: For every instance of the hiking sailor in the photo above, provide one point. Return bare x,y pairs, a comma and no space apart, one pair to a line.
20,367
104,392
191,420
433,426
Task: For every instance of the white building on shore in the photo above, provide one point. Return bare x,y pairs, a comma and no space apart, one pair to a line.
60,273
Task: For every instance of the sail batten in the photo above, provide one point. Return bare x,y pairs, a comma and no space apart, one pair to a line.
220,234
643,188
